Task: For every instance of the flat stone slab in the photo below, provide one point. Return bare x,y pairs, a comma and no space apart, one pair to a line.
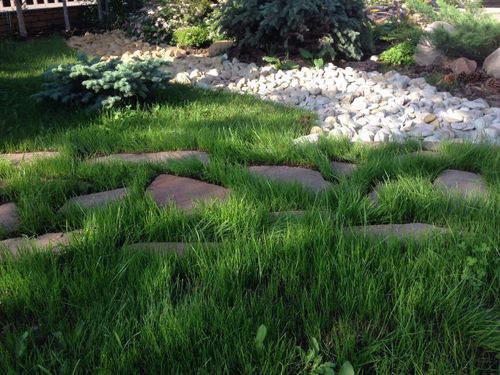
179,248
97,199
401,231
466,184
184,192
9,218
48,242
154,157
343,169
28,157
424,153
305,177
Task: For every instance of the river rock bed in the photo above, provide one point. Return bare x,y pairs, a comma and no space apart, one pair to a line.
362,106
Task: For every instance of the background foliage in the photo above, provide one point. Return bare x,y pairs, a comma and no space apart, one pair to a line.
278,25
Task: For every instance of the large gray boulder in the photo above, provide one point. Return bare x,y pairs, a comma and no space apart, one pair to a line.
492,64
428,55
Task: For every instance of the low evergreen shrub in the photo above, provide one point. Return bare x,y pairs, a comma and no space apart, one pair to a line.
195,36
399,54
474,39
283,25
103,84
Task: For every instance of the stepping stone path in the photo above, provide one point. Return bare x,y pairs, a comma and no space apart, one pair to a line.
50,241
97,199
184,192
303,176
28,157
180,248
9,219
343,169
466,184
154,157
401,231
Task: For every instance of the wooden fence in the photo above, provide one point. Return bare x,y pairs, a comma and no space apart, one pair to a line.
41,15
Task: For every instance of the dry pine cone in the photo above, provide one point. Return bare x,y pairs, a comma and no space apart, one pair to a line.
494,83
471,77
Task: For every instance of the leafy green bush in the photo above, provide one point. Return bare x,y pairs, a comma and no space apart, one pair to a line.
159,19
279,25
475,39
399,54
103,84
195,36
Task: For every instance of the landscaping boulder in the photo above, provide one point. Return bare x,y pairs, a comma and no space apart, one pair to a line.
426,55
463,65
218,48
439,25
492,64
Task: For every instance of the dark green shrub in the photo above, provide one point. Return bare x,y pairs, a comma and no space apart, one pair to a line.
475,39
158,20
195,36
103,84
280,25
399,54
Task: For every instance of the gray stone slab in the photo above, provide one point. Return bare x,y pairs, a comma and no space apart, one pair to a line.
9,218
179,248
97,199
184,192
28,157
305,177
343,168
466,184
401,231
48,242
154,157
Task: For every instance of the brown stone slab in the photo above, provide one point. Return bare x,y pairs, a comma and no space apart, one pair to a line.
97,199
154,157
466,184
9,218
179,248
48,242
305,177
184,192
28,157
401,231
343,168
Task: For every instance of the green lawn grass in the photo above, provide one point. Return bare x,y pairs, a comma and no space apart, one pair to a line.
429,307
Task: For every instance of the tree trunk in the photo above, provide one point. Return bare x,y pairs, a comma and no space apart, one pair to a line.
99,12
67,25
20,18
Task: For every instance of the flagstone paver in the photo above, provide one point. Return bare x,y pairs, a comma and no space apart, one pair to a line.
425,153
401,231
97,199
154,157
179,248
464,183
343,168
28,157
308,178
50,241
9,218
184,192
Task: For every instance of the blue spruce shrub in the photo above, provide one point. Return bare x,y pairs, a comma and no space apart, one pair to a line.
100,84
284,25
